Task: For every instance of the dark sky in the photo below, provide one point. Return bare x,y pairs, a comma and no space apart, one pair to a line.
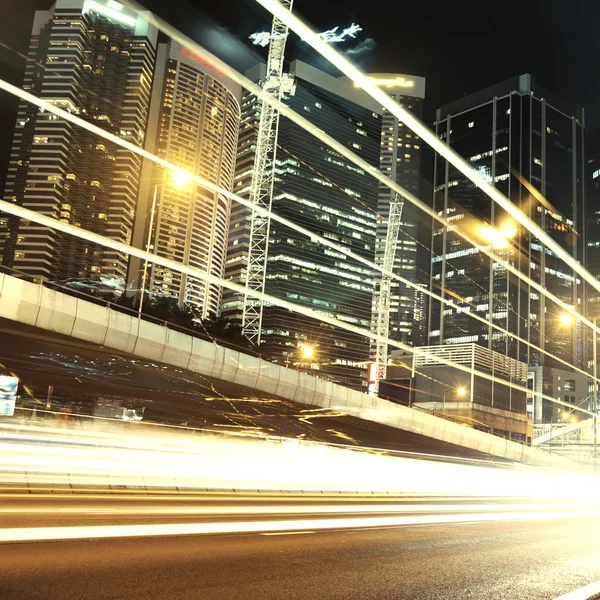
459,46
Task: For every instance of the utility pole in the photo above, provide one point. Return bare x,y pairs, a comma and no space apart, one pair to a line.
276,84
148,245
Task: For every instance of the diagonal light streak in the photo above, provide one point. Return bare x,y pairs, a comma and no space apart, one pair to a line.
101,240
301,121
338,147
344,65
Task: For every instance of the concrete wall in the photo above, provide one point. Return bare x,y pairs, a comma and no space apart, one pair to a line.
34,305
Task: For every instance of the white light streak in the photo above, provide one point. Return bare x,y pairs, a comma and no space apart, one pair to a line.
405,116
33,216
111,11
375,172
28,534
110,243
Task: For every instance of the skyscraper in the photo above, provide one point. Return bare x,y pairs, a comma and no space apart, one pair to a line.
322,191
401,161
194,123
529,144
95,59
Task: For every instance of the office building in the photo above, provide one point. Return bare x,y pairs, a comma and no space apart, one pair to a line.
324,192
530,145
400,160
94,58
194,124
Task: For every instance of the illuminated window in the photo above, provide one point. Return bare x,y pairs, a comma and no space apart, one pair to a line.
355,145
471,124
40,140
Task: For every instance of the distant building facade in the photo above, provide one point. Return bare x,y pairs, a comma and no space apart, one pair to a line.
324,192
97,62
400,160
194,124
530,145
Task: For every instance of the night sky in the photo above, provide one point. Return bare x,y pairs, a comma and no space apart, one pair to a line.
460,47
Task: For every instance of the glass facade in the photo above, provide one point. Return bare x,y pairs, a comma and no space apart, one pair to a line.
317,188
194,124
529,144
401,161
101,69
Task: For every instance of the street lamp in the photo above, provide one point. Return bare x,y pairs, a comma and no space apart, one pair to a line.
306,352
497,237
180,180
461,391
566,319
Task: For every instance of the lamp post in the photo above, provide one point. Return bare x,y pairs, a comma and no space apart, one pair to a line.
180,180
145,272
306,351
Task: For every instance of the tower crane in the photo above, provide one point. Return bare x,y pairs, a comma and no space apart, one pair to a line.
277,84
382,311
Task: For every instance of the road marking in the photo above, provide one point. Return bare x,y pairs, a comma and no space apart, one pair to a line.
23,534
288,533
583,593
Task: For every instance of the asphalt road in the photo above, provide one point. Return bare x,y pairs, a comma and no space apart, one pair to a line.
529,560
82,373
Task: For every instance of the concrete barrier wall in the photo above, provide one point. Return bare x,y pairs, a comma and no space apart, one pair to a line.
32,304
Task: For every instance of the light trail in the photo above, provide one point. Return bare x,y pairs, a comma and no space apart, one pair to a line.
118,460
95,238
404,115
53,223
24,534
285,110
290,509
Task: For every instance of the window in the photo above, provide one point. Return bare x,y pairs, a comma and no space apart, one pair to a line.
471,124
569,385
355,145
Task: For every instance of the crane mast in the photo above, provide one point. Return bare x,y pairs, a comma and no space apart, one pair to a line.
277,84
382,316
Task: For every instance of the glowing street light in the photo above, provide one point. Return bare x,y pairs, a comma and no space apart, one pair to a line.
181,178
565,319
460,392
307,351
497,237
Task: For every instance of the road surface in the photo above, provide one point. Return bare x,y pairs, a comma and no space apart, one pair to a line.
537,559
